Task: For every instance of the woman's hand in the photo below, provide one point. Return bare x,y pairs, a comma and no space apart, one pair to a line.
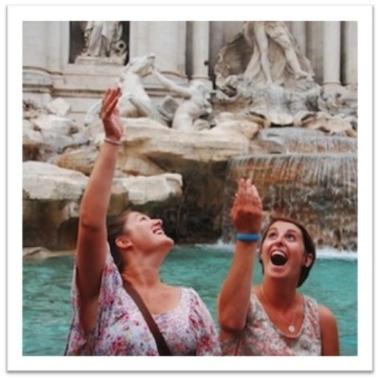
109,114
247,209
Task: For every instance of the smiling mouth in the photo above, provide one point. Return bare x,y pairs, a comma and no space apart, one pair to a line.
278,258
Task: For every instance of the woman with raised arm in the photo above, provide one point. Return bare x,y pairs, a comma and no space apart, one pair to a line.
272,318
121,307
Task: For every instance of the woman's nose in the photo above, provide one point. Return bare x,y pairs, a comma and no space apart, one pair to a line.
279,240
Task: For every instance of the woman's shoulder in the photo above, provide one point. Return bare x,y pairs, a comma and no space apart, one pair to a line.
192,297
326,315
189,292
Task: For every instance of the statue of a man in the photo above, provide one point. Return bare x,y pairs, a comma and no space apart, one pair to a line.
101,37
257,34
195,105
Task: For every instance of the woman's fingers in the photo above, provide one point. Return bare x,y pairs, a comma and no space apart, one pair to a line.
110,101
247,192
109,108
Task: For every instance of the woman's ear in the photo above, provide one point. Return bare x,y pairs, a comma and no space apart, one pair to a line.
308,259
123,242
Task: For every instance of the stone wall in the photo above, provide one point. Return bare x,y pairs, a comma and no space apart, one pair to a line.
185,51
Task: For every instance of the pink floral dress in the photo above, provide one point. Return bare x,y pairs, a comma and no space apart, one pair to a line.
262,337
121,329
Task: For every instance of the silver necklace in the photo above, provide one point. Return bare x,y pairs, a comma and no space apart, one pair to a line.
290,326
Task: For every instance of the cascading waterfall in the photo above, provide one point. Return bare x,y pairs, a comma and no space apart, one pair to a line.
319,190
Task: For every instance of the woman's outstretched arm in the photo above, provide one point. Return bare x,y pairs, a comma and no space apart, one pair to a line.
92,234
329,332
234,298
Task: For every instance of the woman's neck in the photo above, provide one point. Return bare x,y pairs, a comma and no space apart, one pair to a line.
142,271
281,297
142,277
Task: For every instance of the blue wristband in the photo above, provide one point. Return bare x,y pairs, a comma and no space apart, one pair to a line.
247,237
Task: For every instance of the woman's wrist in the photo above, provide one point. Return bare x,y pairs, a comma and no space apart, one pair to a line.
248,237
112,141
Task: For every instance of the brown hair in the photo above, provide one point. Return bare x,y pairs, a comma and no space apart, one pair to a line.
307,241
115,227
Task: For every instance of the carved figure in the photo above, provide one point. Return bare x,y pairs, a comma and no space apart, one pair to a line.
134,102
103,39
196,104
264,52
257,35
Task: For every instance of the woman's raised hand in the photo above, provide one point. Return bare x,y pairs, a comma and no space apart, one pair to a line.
247,209
109,114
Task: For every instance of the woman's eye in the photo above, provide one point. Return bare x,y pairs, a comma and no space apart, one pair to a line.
271,235
291,237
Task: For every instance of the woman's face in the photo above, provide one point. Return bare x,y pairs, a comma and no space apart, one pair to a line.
146,234
283,251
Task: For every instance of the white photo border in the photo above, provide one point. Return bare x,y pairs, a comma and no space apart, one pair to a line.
363,14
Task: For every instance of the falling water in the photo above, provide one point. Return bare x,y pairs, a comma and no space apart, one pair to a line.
319,190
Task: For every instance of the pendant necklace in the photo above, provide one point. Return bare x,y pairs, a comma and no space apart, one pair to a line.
290,326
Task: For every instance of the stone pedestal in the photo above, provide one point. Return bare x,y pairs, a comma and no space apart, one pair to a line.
99,61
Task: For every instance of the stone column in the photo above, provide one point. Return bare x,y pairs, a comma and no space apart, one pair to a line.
314,47
350,54
200,50
37,81
298,29
166,39
331,53
58,45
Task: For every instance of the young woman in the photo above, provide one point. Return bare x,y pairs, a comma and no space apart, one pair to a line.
129,251
272,318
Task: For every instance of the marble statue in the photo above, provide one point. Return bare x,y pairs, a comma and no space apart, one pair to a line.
264,52
103,39
135,101
260,36
196,104
262,72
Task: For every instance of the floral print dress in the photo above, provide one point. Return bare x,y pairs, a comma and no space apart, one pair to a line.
121,329
262,337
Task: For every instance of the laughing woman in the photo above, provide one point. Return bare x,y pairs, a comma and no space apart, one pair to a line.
121,307
272,318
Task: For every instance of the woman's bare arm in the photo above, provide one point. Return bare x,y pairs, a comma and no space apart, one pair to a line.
92,234
329,332
234,298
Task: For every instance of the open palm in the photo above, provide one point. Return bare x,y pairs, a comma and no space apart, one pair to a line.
109,114
247,209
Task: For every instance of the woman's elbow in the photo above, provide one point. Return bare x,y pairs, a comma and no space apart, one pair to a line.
232,325
88,222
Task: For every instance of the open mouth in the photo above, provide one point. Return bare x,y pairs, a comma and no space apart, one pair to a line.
278,258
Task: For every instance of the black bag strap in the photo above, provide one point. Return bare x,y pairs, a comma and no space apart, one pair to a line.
162,346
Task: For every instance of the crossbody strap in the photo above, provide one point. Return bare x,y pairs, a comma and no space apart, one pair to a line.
162,346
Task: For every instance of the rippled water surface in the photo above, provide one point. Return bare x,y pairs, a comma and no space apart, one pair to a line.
46,296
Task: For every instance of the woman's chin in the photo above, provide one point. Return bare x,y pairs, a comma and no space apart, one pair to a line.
167,242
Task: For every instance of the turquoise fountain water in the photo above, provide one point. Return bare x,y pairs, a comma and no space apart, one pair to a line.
46,297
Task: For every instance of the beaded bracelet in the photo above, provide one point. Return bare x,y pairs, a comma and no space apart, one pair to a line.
113,142
251,238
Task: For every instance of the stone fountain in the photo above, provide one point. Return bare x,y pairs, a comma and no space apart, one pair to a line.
180,159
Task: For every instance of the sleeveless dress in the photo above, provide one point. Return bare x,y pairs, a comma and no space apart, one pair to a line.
261,337
121,329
